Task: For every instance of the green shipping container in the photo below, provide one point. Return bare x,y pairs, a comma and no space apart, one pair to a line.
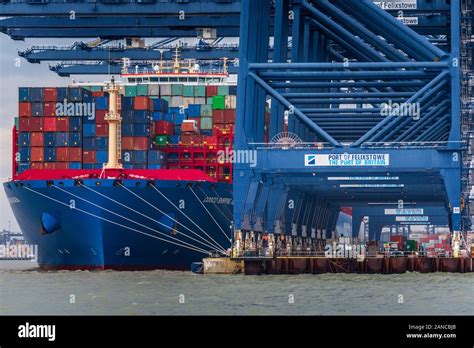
199,91
131,91
218,102
188,91
17,122
161,140
96,88
223,90
206,110
206,123
411,245
177,90
142,90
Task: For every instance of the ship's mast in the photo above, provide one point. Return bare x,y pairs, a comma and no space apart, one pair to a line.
114,120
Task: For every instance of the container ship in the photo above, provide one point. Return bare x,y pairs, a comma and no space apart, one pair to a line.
125,175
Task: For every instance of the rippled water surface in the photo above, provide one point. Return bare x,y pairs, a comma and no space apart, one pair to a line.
28,291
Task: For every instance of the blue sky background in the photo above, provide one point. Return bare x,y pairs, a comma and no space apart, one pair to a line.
12,77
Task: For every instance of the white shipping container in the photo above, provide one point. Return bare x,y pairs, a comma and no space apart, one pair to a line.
200,100
187,101
165,90
176,102
230,102
154,89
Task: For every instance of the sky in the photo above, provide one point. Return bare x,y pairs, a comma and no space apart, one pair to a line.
16,72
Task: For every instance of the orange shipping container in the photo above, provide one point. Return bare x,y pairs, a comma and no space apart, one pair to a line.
140,143
189,126
49,124
74,154
37,154
37,139
62,154
127,143
50,94
37,165
49,165
62,165
140,103
49,109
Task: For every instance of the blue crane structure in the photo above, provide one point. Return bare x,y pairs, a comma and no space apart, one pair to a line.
380,125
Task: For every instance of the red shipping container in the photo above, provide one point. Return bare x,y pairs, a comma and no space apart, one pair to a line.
97,94
102,130
211,140
127,143
49,124
49,109
189,127
35,124
49,165
74,154
163,128
186,139
62,165
211,91
229,116
62,154
37,139
197,120
37,154
140,103
198,139
62,124
36,165
100,116
24,124
140,143
218,116
50,94
24,109
89,157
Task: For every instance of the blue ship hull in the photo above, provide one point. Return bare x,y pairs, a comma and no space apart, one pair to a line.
126,225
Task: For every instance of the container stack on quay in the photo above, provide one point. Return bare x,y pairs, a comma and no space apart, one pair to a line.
163,126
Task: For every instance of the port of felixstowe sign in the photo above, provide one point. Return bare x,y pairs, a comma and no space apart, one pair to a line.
397,4
346,159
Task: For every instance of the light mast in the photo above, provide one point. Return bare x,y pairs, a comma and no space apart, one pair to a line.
114,120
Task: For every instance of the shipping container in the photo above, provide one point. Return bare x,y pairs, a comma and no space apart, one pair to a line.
24,94
75,139
49,109
89,143
75,165
49,124
62,139
218,116
127,143
23,166
24,139
131,91
75,124
101,156
75,154
189,126
100,116
223,90
218,102
194,110
89,130
211,91
154,89
165,90
62,124
160,104
163,127
187,101
206,123
61,93
62,154
50,94
176,101
127,116
176,90
199,91
37,165
206,110
37,109
24,153
75,94
141,143
142,90
36,94
140,103
127,103
101,103
229,116
141,116
37,139
161,140
139,156
233,90
102,130
50,154
141,130
89,157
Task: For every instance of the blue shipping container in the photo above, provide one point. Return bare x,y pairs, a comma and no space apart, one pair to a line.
102,143
154,156
61,94
101,103
88,166
159,116
232,90
75,139
89,130
160,105
62,139
36,94
74,165
75,124
101,156
140,116
37,109
89,144
154,166
127,103
139,166
177,130
24,94
194,110
49,139
24,139
179,118
127,116
24,154
174,139
22,167
50,154
74,94
140,130
139,156
127,130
